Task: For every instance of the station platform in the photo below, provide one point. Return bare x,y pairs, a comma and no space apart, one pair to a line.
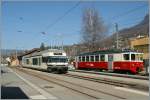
14,86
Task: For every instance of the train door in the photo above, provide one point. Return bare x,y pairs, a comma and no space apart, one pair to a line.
76,62
110,62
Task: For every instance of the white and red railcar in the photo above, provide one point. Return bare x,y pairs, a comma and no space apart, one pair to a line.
111,60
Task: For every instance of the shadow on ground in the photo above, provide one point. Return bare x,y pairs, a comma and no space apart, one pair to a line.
12,93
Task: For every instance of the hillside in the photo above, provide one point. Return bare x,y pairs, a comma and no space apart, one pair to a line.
125,35
141,28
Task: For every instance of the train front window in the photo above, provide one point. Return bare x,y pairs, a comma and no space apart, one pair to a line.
132,56
56,59
141,57
137,57
126,56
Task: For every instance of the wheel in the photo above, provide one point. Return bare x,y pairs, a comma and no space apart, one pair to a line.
129,72
65,72
138,70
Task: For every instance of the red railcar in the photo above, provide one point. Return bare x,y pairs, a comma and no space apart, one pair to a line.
111,60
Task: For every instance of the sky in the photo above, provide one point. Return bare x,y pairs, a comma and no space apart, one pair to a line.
23,21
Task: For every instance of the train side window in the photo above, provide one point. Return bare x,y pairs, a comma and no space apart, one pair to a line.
126,56
87,58
132,56
92,58
79,59
83,58
102,57
96,58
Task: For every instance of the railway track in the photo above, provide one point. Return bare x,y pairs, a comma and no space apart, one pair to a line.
105,81
110,82
114,74
90,92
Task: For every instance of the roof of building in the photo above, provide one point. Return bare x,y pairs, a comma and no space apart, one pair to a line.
28,52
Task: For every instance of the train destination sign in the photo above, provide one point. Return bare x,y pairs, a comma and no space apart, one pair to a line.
57,53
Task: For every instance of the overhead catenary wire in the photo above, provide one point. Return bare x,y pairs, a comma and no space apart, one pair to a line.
128,12
76,5
120,16
61,17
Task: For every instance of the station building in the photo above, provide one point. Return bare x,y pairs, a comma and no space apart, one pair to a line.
27,53
141,43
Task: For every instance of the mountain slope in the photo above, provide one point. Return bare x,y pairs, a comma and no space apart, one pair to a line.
125,34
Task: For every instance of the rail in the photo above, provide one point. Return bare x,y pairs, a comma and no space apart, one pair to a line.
70,85
114,74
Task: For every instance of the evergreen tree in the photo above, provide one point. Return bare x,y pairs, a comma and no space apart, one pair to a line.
42,47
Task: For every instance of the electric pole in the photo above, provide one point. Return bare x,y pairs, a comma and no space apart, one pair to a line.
116,27
62,47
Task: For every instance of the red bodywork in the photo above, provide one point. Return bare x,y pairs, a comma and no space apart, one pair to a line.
118,65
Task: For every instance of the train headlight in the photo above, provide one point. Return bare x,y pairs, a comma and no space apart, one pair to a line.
117,67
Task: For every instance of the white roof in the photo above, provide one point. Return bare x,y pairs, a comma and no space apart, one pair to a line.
45,52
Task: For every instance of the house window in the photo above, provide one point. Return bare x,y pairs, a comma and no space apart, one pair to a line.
35,61
27,61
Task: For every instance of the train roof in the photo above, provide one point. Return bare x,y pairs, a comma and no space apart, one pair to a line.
106,52
39,53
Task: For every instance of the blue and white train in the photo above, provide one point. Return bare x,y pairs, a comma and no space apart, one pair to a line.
52,60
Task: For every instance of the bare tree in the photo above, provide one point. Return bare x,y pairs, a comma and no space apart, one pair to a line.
93,29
